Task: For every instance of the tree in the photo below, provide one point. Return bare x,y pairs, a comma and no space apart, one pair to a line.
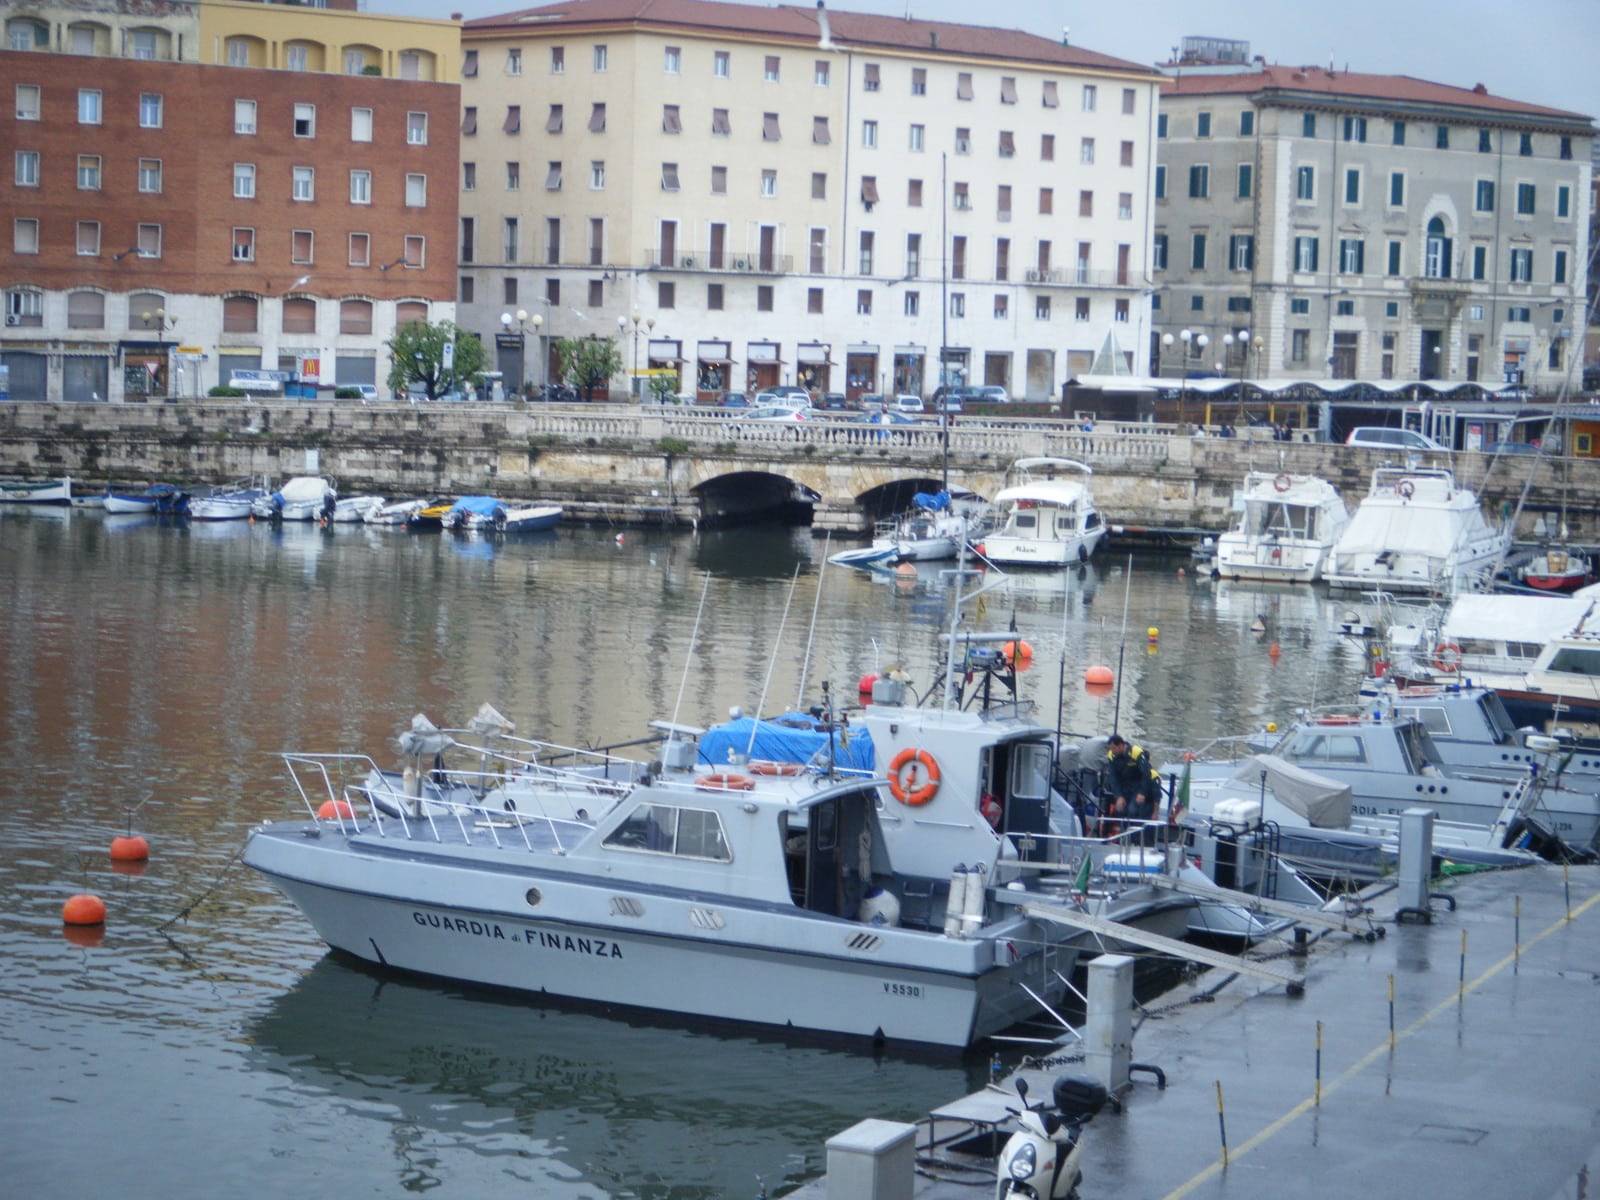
587,362
417,354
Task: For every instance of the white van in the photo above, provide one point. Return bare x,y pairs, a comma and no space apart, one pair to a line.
1378,437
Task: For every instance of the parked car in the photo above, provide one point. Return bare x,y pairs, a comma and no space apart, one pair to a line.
369,391
991,394
909,404
775,412
836,401
889,422
1514,448
797,398
731,400
951,400
1383,438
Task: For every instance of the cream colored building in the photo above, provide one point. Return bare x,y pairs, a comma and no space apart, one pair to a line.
759,196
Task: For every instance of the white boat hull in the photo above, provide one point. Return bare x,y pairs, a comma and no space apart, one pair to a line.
58,491
1042,552
1270,562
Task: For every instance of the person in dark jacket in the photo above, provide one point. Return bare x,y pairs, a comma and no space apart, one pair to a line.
1133,782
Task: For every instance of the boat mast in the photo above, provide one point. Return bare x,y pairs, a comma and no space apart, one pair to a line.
944,315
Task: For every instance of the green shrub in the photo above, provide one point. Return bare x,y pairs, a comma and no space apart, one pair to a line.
346,393
225,391
672,445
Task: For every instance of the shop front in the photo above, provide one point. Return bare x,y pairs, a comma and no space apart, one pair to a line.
665,379
860,373
85,376
146,372
910,366
762,365
813,370
713,368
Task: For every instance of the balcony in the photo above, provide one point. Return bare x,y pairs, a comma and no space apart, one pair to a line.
720,262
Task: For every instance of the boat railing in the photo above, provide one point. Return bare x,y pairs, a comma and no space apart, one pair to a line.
353,792
1119,853
529,753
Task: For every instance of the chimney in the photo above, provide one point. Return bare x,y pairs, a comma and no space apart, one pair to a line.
825,42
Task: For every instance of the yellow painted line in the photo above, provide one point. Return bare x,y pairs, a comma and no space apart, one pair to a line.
1380,1051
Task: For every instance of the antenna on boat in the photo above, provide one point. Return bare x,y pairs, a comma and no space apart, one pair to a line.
811,634
766,683
1122,646
688,658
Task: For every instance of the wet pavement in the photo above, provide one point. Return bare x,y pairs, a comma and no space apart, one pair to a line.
1479,1077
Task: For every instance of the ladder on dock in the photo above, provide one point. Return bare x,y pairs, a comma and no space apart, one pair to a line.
1062,915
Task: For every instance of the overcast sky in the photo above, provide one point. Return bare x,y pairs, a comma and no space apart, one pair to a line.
1541,51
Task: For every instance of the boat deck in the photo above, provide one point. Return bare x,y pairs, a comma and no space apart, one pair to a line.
1481,1085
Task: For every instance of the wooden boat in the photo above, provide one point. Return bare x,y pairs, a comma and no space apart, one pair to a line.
54,491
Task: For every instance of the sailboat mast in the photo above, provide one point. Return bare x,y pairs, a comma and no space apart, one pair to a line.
943,391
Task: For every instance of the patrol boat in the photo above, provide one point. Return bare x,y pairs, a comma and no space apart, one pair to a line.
806,897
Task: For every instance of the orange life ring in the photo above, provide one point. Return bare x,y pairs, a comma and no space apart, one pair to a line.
1283,483
903,777
1405,489
725,781
765,766
1447,657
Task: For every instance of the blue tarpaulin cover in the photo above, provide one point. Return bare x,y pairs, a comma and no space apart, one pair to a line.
792,737
484,506
933,501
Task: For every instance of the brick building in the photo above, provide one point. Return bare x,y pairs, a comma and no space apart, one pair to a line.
199,190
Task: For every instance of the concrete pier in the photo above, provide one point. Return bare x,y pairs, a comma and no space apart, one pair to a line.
1454,1058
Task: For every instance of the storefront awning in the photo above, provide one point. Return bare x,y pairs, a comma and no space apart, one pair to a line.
716,362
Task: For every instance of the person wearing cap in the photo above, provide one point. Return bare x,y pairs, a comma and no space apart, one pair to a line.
1133,781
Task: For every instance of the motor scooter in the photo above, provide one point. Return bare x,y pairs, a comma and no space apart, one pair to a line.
1040,1160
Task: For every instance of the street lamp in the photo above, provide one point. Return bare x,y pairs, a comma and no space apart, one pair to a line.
521,322
162,322
623,325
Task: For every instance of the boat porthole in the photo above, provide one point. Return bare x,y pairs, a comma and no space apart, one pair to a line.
1443,790
533,897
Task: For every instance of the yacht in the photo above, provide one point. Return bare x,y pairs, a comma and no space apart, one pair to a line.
1287,527
1417,530
1043,520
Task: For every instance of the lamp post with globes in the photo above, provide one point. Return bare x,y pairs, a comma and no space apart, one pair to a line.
634,322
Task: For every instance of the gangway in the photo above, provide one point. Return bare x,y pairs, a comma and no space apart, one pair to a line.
1062,915
1336,921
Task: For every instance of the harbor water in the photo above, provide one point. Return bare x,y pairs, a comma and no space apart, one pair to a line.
151,673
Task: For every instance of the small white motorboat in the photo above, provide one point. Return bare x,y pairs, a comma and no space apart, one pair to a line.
353,510
1287,527
54,491
532,518
395,513
1047,522
303,498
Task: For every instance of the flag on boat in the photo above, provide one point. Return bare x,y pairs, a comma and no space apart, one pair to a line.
1180,802
1082,882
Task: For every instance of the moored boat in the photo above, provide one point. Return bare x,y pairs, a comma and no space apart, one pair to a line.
475,512
1287,527
162,498
1045,520
303,498
353,510
1556,570
532,518
395,512
235,503
53,491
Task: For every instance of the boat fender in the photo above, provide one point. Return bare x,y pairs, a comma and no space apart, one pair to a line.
1447,657
977,895
903,777
724,781
1405,489
1282,482
765,766
956,903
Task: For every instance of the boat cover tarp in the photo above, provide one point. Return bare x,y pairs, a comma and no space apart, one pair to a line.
483,506
424,738
1323,802
1495,618
793,737
1410,529
303,489
932,501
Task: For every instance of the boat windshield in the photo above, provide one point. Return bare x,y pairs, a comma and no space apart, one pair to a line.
1273,518
673,830
1030,770
1418,748
1496,717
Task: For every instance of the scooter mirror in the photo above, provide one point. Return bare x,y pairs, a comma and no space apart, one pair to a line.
1022,1089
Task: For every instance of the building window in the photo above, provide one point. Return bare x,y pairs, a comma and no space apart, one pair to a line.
600,58
669,177
150,110
864,302
1242,251
597,118
769,183
769,127
1480,262
1202,124
417,189
1392,267
552,240
1161,125
764,297
1398,133
1483,196
513,177
1522,265
719,181
509,234
1525,199
1558,272
416,129
1247,123
1441,137
917,137
1305,183
813,300
301,243
552,177
304,183
714,297
1246,182
469,120
1436,251
1161,183
1352,256
913,193
88,107
864,257
963,141
1158,253
360,187
469,177
1086,152
1397,189
671,122
244,245
913,254
1197,252
720,126
666,294
1308,125
1519,314
1352,185
672,59
244,181
869,134
513,121
360,124
1002,306
1305,254
88,172
305,120
354,61
1199,181
1041,308
720,64
1047,147
558,60
360,250
1124,206
150,175
919,81
1355,129
820,72
1299,345
469,228
1564,202
1090,97
770,68
414,248
1047,201
25,235
597,175
244,117
1003,202
1086,203
913,304
514,61
1299,306
1126,156
1565,152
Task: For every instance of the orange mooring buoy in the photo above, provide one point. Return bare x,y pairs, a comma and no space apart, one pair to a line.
1019,654
332,810
87,936
131,848
1099,676
84,909
1273,651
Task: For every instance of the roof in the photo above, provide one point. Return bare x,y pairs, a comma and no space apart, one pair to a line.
1352,85
847,30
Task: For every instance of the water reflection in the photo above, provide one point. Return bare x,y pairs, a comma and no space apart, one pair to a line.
581,1096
